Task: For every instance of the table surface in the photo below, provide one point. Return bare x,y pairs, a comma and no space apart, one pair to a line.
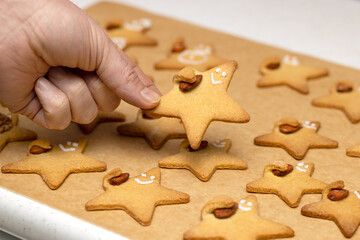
326,29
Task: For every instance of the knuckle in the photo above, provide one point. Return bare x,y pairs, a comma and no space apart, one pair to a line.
85,117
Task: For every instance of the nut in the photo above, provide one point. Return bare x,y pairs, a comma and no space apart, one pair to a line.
341,88
145,116
337,194
185,87
286,128
178,45
186,74
115,181
203,145
279,173
225,212
35,149
273,66
5,123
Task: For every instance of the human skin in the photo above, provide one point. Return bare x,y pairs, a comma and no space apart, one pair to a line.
58,65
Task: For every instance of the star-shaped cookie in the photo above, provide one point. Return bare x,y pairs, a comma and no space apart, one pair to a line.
208,101
156,131
295,138
288,71
353,151
55,162
288,182
338,205
138,196
242,223
125,34
102,117
10,132
344,96
200,57
204,162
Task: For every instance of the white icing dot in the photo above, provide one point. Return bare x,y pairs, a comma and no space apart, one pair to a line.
249,203
68,143
301,164
152,177
223,74
143,174
218,70
306,166
242,201
75,144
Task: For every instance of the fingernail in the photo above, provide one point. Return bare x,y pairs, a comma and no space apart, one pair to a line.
150,95
43,84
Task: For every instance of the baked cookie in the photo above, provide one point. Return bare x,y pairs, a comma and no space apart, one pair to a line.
204,161
55,162
199,98
10,132
295,138
138,196
289,182
156,131
288,71
200,57
353,151
338,205
344,96
102,117
125,34
222,218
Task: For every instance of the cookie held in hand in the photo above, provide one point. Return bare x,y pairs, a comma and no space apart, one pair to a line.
204,161
200,57
138,196
156,131
10,132
295,138
288,182
338,205
343,96
55,162
222,218
288,71
203,103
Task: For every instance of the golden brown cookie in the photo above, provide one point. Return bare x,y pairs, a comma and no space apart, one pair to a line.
289,182
199,98
338,205
138,196
295,138
10,132
125,34
288,71
204,161
55,162
156,131
353,151
102,117
222,218
200,57
344,96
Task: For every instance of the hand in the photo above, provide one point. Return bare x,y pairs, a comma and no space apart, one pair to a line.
58,65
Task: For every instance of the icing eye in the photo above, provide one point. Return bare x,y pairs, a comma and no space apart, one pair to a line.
143,174
68,143
301,164
223,74
306,166
249,204
218,70
242,201
75,144
152,177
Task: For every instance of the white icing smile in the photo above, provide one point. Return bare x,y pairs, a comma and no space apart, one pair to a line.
73,146
120,42
300,167
213,80
357,194
307,124
219,71
219,144
291,60
246,208
145,182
